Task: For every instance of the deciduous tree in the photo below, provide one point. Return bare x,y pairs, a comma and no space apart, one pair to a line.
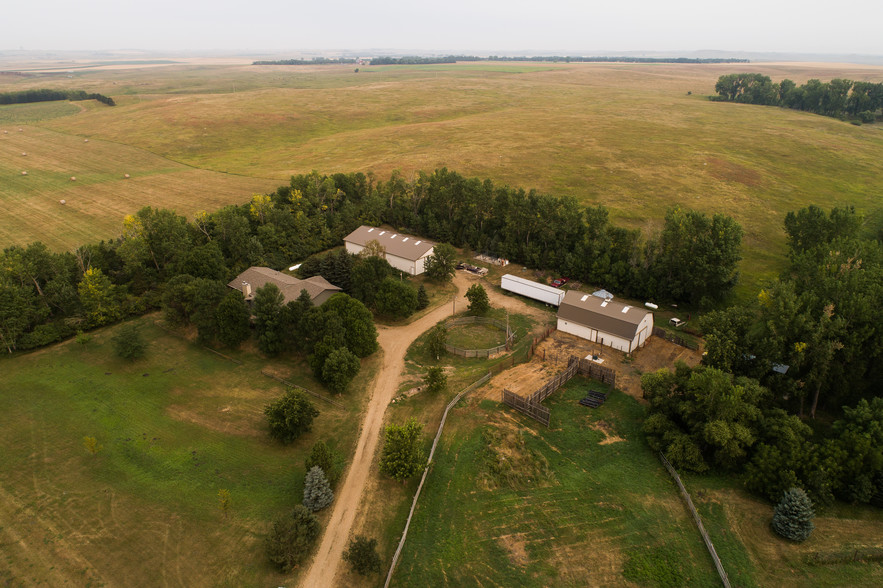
442,264
361,554
402,455
290,416
291,538
339,369
478,300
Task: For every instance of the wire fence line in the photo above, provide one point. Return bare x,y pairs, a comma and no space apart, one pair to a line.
302,389
395,558
686,496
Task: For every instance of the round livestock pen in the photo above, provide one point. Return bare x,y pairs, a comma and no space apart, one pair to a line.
509,336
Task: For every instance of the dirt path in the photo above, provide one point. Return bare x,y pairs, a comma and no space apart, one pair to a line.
394,341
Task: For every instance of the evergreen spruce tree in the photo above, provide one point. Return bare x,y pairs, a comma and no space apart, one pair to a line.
793,516
422,298
317,490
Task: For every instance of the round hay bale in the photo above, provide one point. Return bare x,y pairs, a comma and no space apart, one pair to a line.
23,154
62,202
73,179
85,140
5,132
20,130
24,173
126,176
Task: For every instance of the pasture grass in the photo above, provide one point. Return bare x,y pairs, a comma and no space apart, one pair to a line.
175,428
753,555
575,508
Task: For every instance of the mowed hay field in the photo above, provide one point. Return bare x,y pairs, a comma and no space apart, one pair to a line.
624,135
101,195
175,428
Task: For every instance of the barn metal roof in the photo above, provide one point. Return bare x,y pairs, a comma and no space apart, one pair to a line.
609,316
397,244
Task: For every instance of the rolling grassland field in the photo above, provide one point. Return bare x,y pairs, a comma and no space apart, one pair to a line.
174,429
635,138
507,502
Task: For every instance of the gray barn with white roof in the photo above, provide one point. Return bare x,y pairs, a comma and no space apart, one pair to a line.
404,252
603,321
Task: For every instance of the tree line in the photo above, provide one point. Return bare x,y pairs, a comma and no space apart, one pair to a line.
620,59
808,344
417,60
45,95
47,296
313,61
839,98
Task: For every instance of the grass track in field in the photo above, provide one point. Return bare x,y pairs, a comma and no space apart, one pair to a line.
175,428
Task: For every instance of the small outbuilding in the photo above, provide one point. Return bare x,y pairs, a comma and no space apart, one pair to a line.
255,277
403,252
621,326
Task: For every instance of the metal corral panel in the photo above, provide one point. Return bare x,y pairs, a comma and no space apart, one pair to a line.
531,289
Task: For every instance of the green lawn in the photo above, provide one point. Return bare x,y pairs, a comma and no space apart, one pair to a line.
175,428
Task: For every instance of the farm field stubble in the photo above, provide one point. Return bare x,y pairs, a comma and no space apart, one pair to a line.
624,135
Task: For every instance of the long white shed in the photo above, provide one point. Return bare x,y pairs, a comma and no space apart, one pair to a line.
531,289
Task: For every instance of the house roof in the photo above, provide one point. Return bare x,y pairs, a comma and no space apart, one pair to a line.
397,244
609,316
290,286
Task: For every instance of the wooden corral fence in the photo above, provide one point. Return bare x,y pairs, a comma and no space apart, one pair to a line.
468,320
596,371
537,412
395,558
663,334
531,405
552,385
686,496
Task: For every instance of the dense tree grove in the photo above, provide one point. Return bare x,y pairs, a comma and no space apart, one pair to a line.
809,342
838,98
46,296
45,95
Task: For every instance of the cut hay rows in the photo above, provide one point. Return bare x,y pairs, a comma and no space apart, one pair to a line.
100,182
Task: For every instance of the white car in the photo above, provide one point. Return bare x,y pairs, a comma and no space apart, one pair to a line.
677,323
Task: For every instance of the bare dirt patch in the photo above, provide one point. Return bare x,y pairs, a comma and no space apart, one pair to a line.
516,546
606,429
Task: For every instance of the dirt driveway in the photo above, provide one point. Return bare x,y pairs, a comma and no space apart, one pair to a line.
394,342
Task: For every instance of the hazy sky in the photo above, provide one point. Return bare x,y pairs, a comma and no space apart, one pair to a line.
806,26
